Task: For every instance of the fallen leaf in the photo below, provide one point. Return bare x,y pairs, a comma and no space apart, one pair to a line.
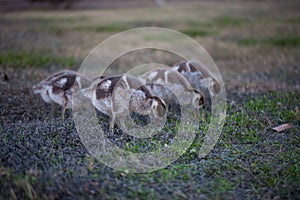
123,174
282,127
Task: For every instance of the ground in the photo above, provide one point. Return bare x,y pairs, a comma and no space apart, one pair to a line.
255,45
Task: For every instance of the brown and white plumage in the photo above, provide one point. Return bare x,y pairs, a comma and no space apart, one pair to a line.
60,87
198,76
100,93
119,95
175,84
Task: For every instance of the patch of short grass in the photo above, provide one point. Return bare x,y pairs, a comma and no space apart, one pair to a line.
59,20
284,41
293,20
24,185
197,32
193,23
248,41
103,28
151,23
163,38
293,41
249,123
33,59
56,29
230,21
273,157
244,163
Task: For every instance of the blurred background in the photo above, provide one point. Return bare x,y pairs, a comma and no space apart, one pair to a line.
255,44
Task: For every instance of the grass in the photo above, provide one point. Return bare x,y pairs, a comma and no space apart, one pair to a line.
193,24
33,59
293,41
246,127
197,32
249,157
42,158
103,28
293,20
225,21
65,20
253,129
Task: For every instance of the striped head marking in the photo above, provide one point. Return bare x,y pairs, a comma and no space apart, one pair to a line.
198,99
158,107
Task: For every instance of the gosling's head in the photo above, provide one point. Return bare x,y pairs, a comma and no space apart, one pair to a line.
158,107
198,99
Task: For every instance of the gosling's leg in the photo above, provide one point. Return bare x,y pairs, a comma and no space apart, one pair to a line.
122,123
112,123
53,110
64,107
63,111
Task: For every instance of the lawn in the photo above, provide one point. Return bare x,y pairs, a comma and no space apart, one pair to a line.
255,45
